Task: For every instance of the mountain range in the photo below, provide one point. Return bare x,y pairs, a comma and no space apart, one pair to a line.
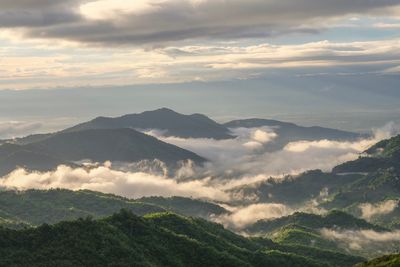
100,145
290,132
86,228
120,140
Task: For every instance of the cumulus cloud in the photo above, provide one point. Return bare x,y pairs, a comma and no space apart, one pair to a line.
241,217
369,210
13,129
104,179
377,242
153,21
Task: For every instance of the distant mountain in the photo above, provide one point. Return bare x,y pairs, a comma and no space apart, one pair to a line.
13,156
161,239
125,145
334,219
35,207
98,145
290,132
186,206
173,123
296,189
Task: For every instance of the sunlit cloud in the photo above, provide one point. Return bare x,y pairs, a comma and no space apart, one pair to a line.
241,217
74,66
367,240
104,179
369,210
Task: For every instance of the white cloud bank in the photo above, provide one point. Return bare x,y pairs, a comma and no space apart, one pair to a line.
234,163
360,240
104,179
369,210
241,217
246,159
13,129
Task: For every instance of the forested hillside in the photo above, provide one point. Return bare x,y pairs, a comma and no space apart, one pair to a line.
160,239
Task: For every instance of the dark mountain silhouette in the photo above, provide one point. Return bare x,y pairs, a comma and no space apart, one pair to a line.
290,132
173,123
122,145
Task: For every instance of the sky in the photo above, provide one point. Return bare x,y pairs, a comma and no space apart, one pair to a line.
333,62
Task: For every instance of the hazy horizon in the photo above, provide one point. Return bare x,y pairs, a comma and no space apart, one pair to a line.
328,63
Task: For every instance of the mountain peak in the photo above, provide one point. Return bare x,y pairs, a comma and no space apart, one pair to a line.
172,122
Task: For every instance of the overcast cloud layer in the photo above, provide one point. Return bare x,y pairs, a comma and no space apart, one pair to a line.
153,21
47,44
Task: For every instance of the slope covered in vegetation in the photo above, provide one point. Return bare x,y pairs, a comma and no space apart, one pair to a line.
161,239
34,207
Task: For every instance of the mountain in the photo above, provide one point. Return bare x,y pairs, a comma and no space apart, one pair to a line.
290,132
99,145
161,239
383,155
296,189
334,219
380,179
124,145
373,178
372,188
389,148
173,123
336,231
35,207
186,206
13,156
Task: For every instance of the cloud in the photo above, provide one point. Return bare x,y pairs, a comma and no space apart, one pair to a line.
362,239
233,163
32,14
155,21
58,65
369,210
241,217
247,160
388,26
17,128
104,179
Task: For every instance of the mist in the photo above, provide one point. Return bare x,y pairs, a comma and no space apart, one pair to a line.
369,210
244,160
104,179
373,242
